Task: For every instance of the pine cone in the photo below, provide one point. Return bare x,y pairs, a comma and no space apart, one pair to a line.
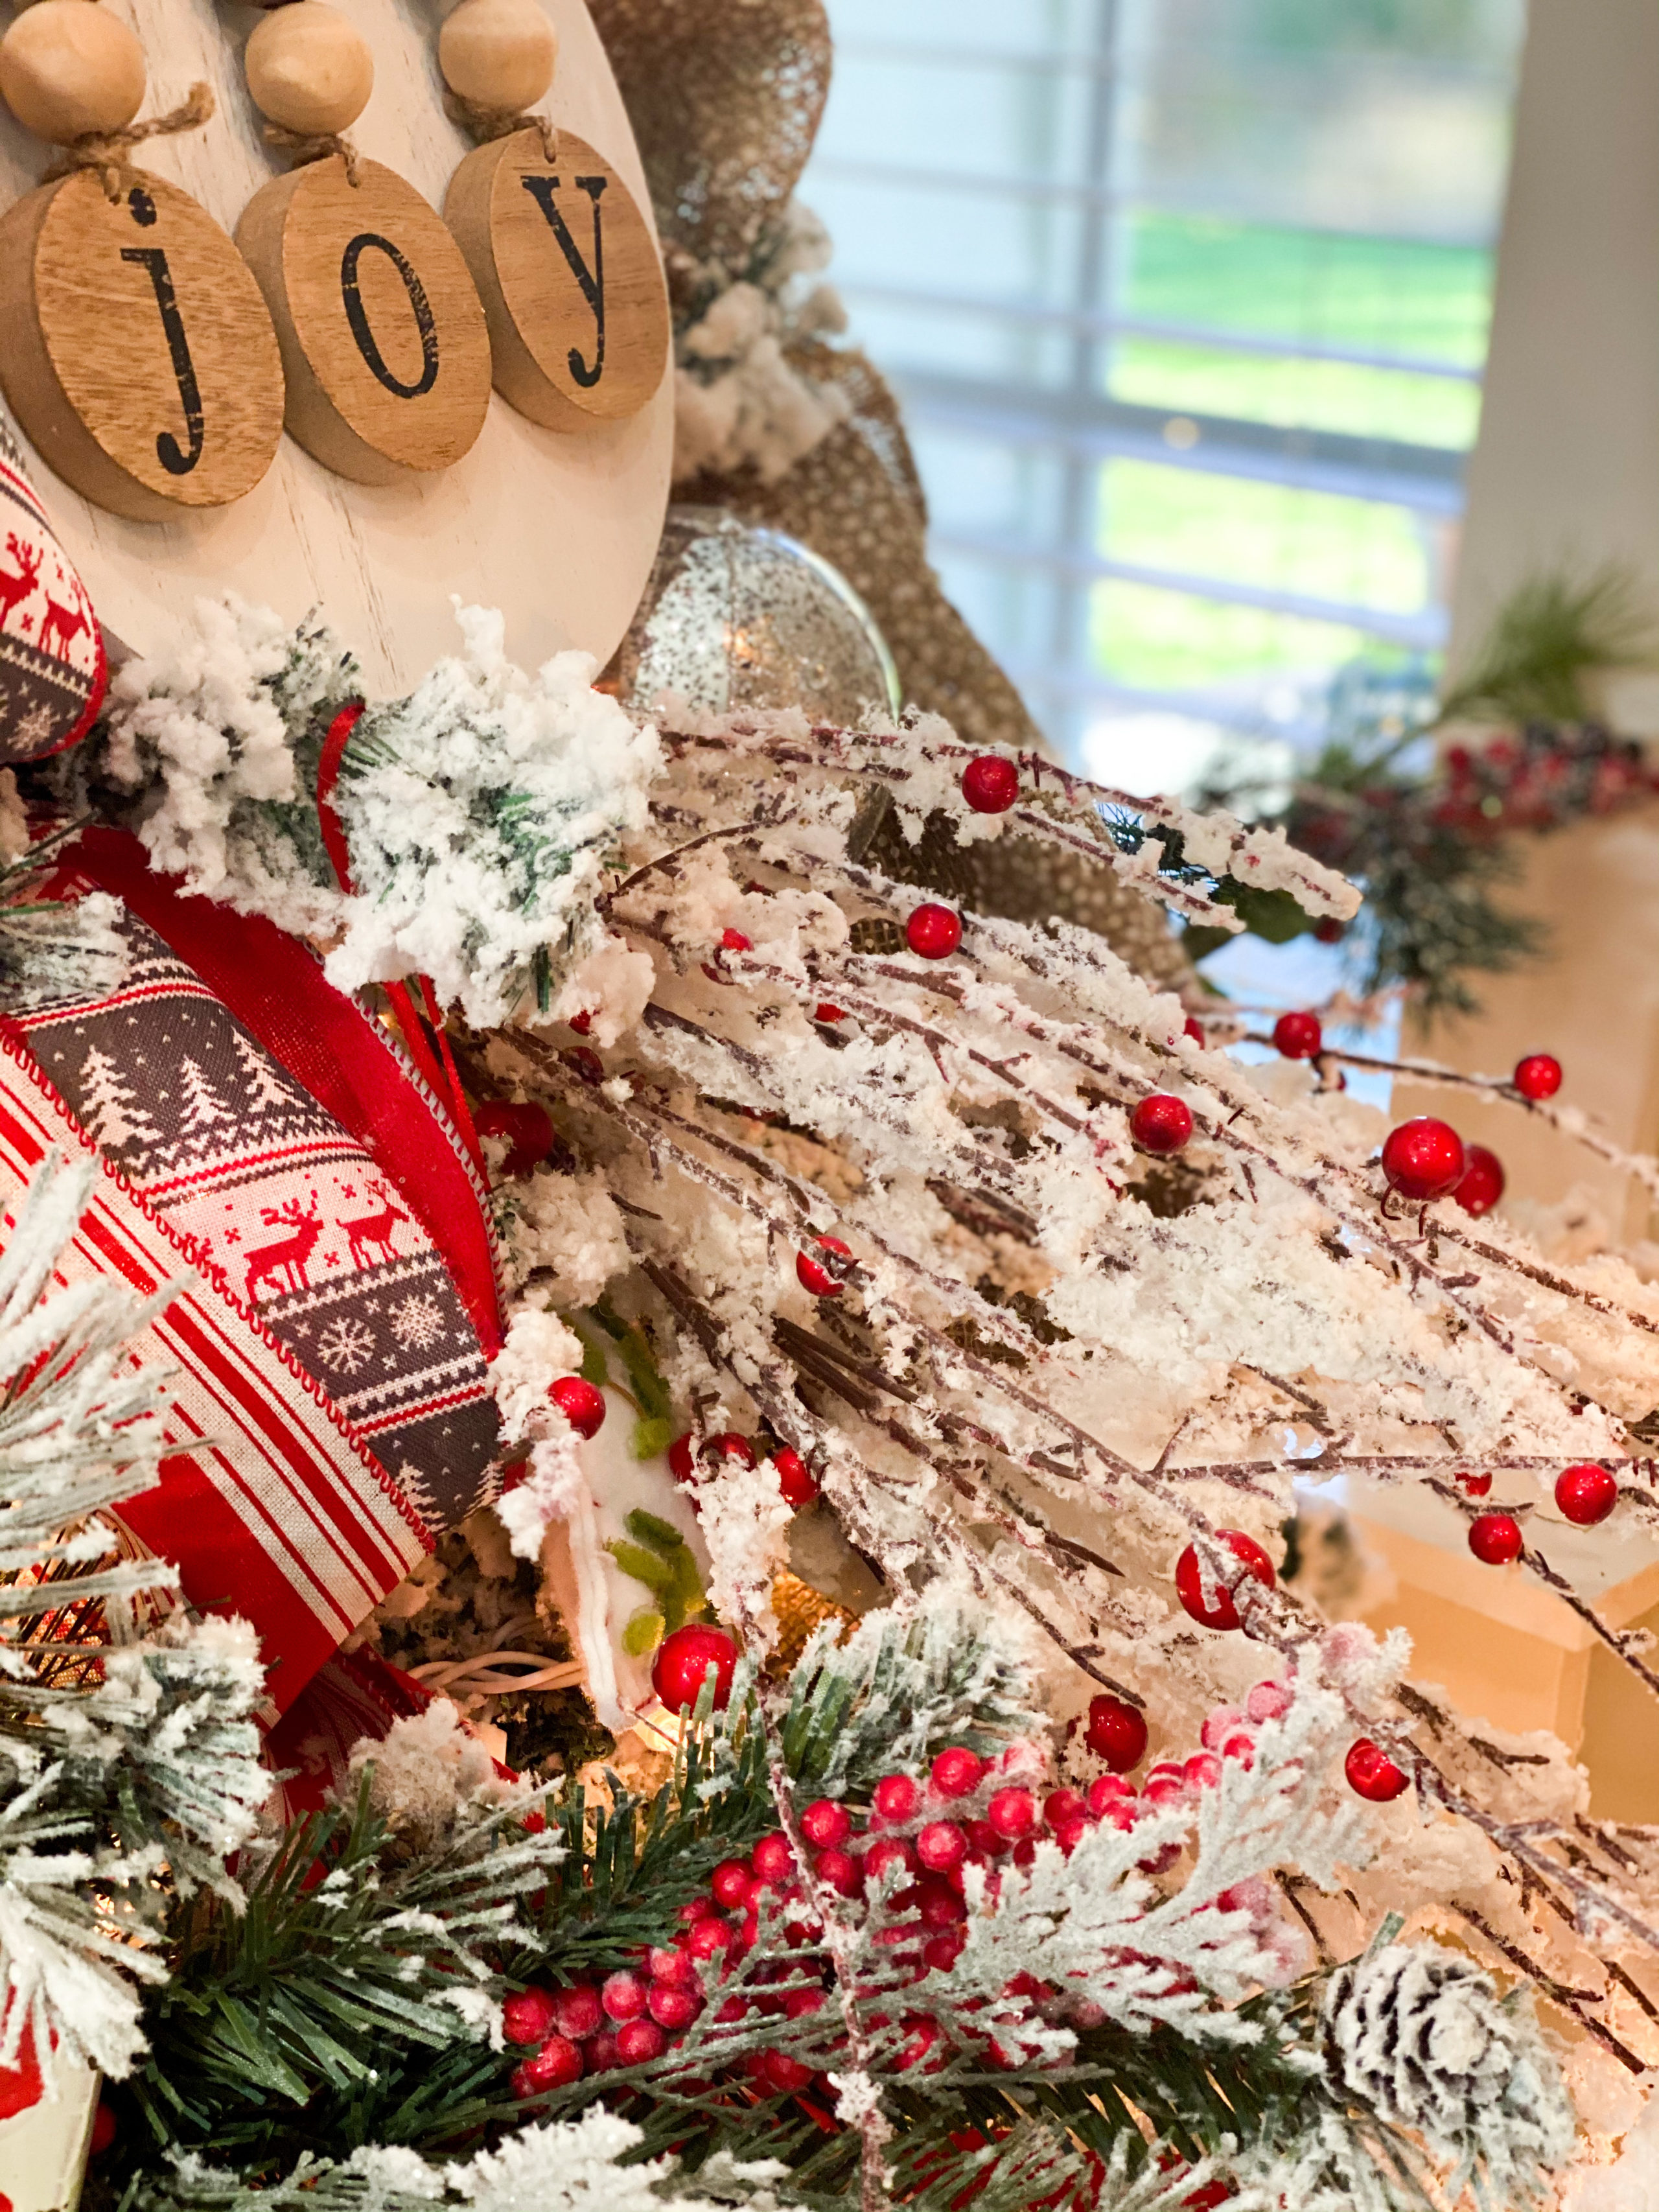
1422,2037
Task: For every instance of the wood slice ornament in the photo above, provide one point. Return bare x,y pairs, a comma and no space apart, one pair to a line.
383,338
569,275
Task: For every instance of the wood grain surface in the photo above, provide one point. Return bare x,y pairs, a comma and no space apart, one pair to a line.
382,334
139,356
558,529
571,280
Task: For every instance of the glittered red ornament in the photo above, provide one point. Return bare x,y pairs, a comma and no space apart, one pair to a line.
1586,1494
582,1404
795,1481
1371,1773
683,1659
933,932
1538,1076
812,1276
1483,1180
1298,1037
1116,1732
527,1128
1423,1159
1161,1123
990,784
1495,1539
1224,1614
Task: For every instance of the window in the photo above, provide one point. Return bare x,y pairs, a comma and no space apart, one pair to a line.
1187,301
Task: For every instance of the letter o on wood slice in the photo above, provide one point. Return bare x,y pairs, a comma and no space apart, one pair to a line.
570,279
138,354
383,338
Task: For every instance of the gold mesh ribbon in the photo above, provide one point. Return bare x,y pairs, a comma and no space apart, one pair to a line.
801,1611
107,151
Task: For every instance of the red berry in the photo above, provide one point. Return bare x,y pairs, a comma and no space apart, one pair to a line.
672,2007
528,1130
679,1457
1298,1037
825,1823
1371,1773
622,1995
1268,1701
1116,1733
103,2130
1202,1771
940,1953
733,940
1012,1813
584,1064
1483,1180
1061,1806
841,1870
773,1859
732,1882
577,2011
785,2074
990,783
530,2016
933,932
941,1846
1161,1123
813,1276
1195,1031
582,1023
1586,1494
556,2066
801,2004
1495,1539
895,1797
731,1445
582,1404
958,1772
891,1851
1538,1076
1106,1790
827,1013
1329,931
600,2053
684,1657
640,2042
795,1482
1188,1581
1423,1159
1474,1486
708,1937
670,1964
1166,1785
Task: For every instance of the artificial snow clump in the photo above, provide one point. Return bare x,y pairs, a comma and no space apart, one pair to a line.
427,1767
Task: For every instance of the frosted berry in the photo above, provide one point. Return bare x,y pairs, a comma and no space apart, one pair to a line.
941,1846
732,1882
1116,1733
1483,1180
1371,1773
772,1858
640,2042
841,1870
600,2053
990,784
672,2006
1298,1037
1474,1486
795,1481
940,1953
1061,1806
1495,1539
785,2074
891,1851
813,1276
1012,1813
1161,1123
585,1064
730,1446
1538,1076
622,1995
1586,1494
1106,1790
707,1938
577,2011
1166,1785
895,1797
555,2066
529,2016
1189,1581
666,1964
684,1657
582,1404
1218,1725
528,1130
828,1012
1267,1701
958,1772
933,932
1423,1159
1202,1771
826,1823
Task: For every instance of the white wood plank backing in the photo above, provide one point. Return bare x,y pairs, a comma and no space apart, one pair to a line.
556,529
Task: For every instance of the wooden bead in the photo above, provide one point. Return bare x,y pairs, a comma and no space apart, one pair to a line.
67,67
498,53
569,275
384,343
308,69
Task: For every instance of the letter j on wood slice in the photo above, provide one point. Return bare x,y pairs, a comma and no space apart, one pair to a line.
570,279
138,355
383,338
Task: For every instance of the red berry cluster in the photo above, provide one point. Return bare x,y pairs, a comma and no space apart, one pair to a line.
797,1484
590,2028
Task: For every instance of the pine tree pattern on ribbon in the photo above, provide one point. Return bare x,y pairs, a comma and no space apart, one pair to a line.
283,1212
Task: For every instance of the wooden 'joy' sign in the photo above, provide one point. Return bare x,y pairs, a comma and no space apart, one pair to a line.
478,405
